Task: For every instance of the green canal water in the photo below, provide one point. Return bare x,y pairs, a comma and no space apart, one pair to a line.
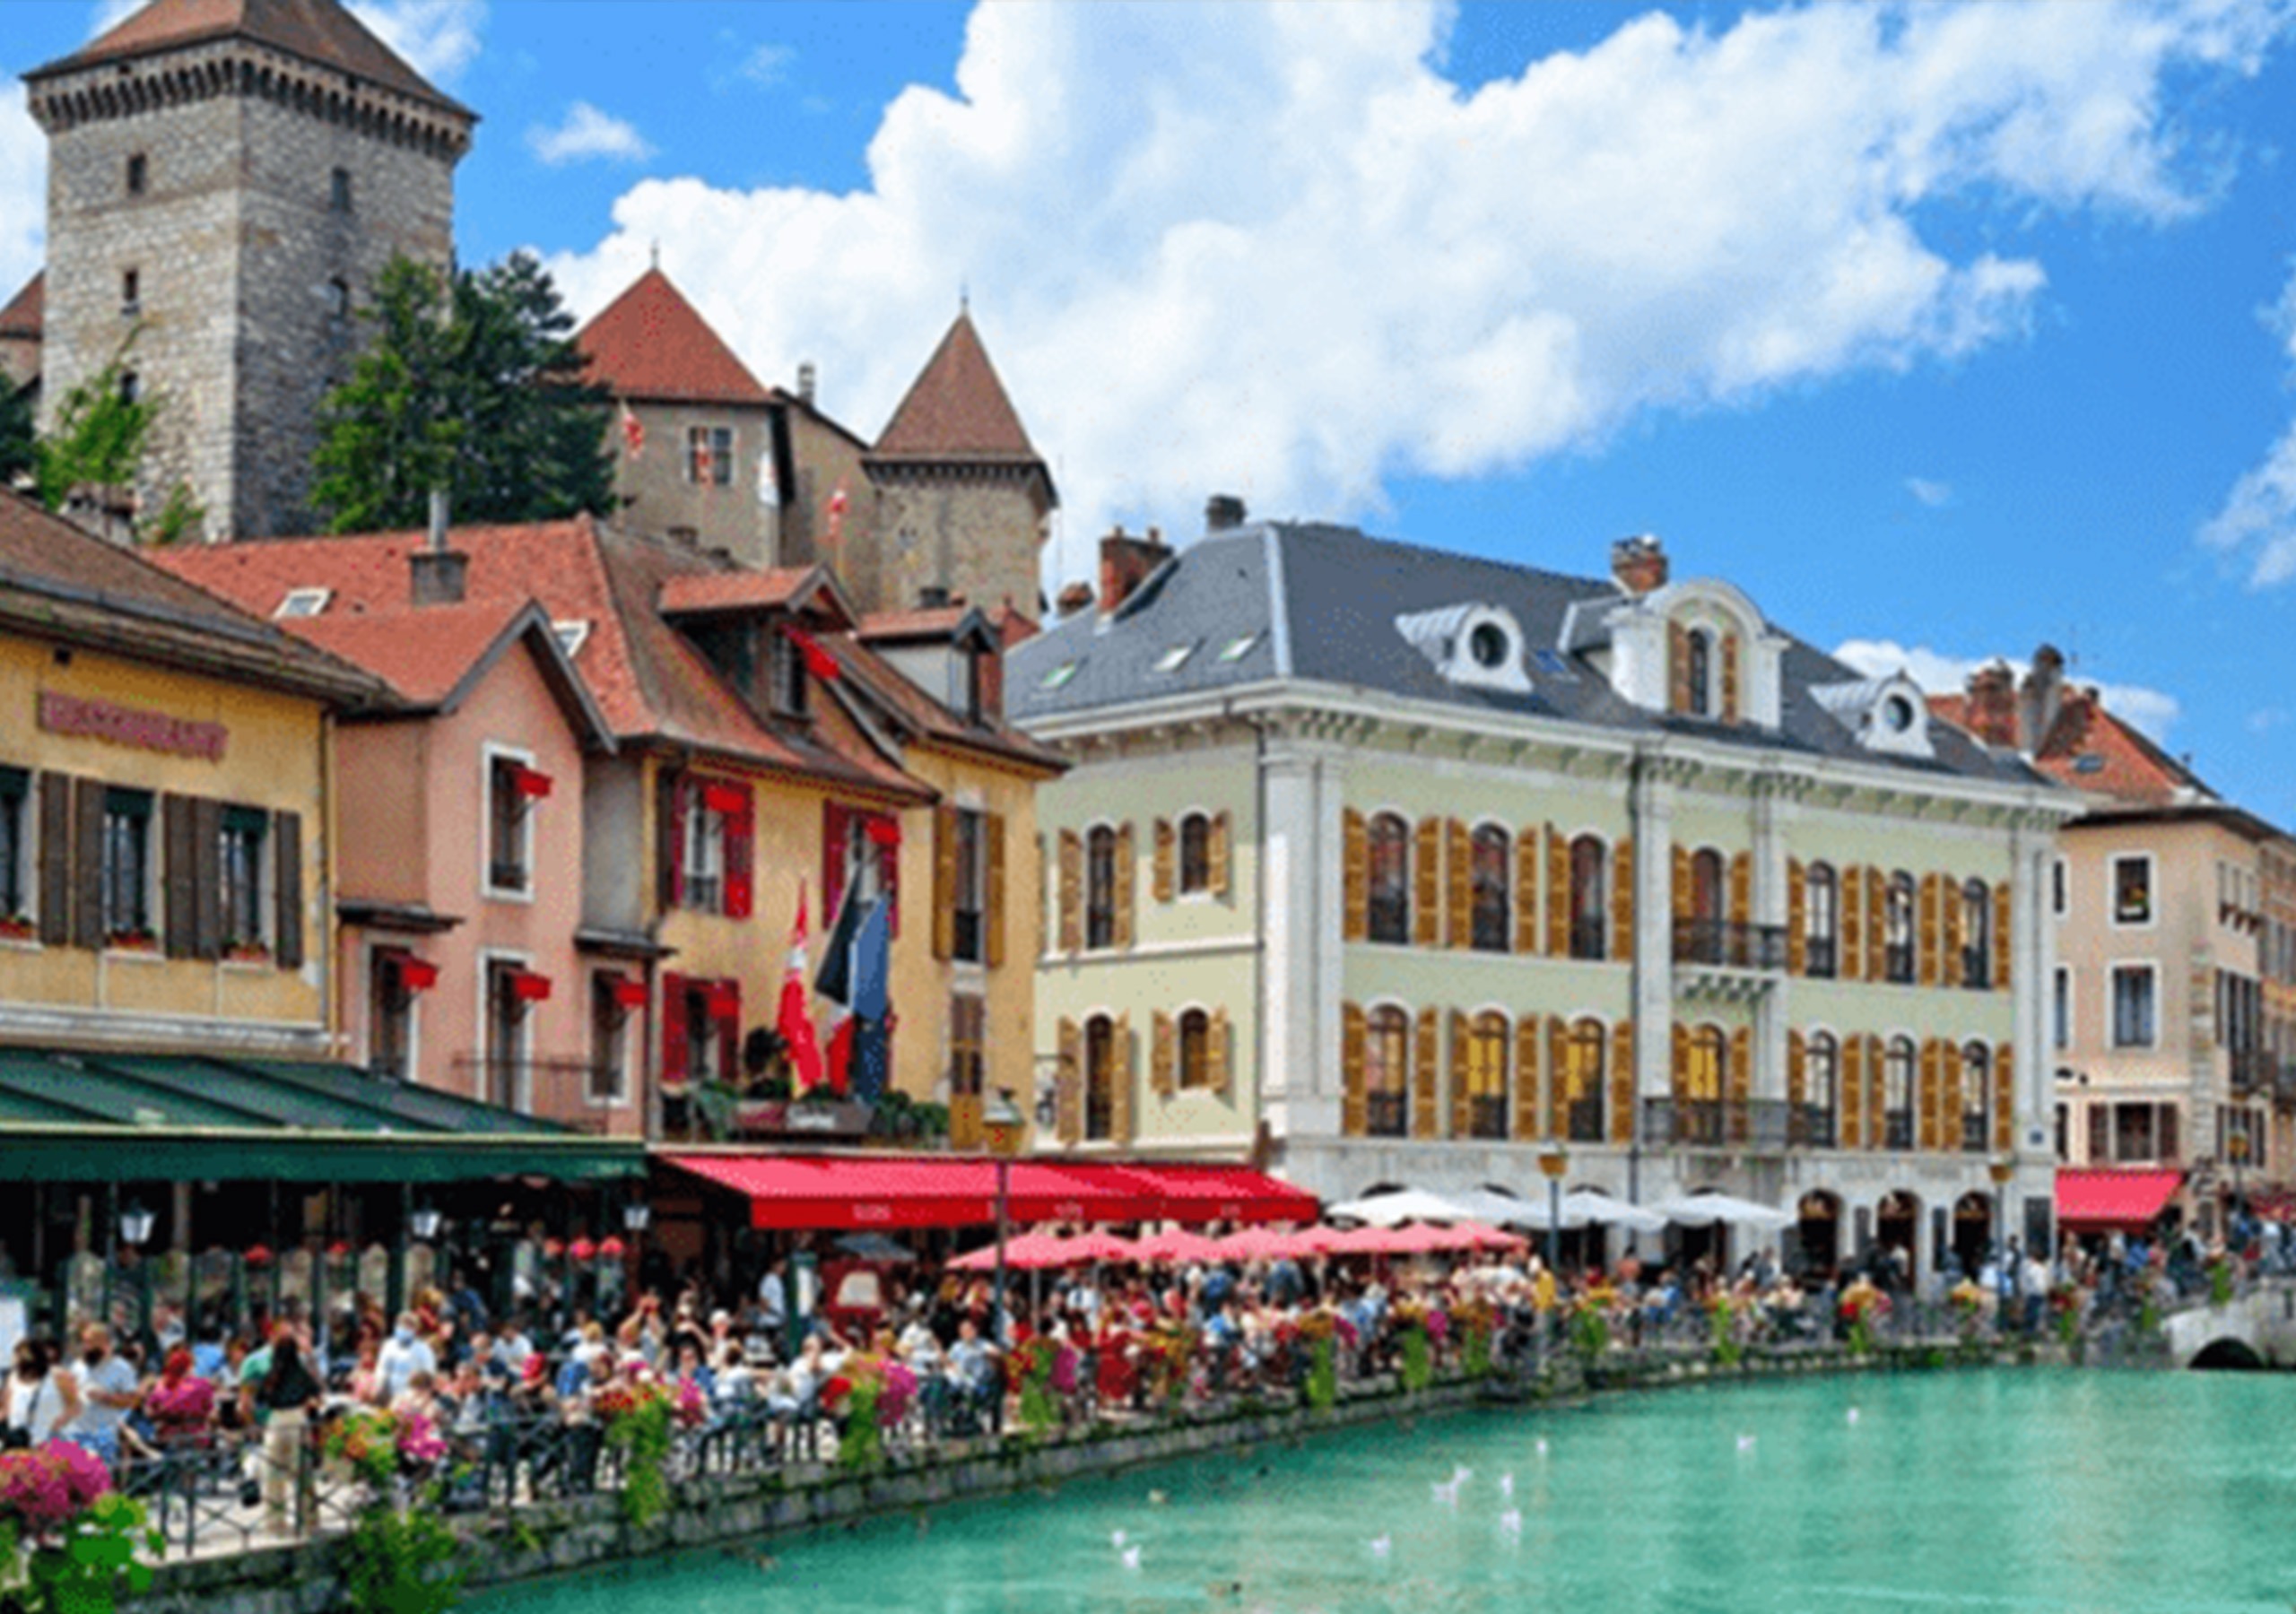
2095,1493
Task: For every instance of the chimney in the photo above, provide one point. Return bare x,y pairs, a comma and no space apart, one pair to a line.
1222,513
2041,696
439,573
1639,564
1993,705
1076,597
1125,562
805,382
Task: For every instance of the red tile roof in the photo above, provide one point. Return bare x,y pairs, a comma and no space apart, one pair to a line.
320,31
23,315
700,592
957,409
926,716
651,345
920,623
649,680
2092,751
421,651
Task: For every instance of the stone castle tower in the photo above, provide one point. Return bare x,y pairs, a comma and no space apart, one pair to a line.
226,178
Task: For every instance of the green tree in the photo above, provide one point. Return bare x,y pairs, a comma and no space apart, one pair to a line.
471,382
98,436
19,454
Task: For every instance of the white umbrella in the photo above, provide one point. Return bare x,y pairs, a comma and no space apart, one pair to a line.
1704,1210
1506,1210
1403,1205
1604,1210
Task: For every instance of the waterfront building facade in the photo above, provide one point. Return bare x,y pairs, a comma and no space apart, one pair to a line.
1398,866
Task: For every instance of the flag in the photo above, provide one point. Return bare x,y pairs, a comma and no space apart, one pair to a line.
705,464
854,977
794,1022
769,484
837,503
633,432
818,661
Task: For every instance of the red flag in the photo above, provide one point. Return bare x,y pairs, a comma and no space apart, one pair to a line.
818,661
633,432
837,503
705,464
795,1023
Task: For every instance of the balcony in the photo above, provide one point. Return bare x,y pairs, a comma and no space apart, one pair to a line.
2250,1071
1897,1130
1584,1121
1723,959
1586,939
1755,1125
1976,1132
1809,1126
1486,1117
2284,1086
1383,1115
1820,957
571,1092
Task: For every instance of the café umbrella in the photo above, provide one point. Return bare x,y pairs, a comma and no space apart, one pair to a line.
1401,1205
1707,1210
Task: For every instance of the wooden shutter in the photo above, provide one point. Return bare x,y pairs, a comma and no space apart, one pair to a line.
1354,1110
1120,1112
669,838
2005,1100
1424,1053
2001,936
1558,894
1877,901
88,863
1162,865
207,883
1797,1069
1678,1074
1124,875
1927,930
1949,905
1729,678
741,859
675,1070
1072,891
1797,917
1526,1078
1526,890
837,834
1677,667
1742,887
1680,886
1459,1110
287,836
1740,1089
993,944
947,837
179,824
1621,940
1557,1064
1356,923
1852,1134
1949,1098
1216,1062
1222,853
1068,1085
1852,885
728,1027
1932,1080
1460,915
1427,883
1622,1106
56,860
1161,1055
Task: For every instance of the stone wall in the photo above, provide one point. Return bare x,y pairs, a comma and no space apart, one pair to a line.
974,529
656,498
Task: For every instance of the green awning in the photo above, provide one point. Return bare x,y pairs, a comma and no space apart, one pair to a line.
134,1117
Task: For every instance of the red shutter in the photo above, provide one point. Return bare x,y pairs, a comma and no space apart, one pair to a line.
833,830
673,1064
669,837
741,855
885,834
529,987
414,975
529,784
626,993
726,1000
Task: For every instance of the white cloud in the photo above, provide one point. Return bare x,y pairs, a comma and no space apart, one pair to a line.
1275,251
588,132
1936,495
2152,711
2257,523
767,64
438,37
23,191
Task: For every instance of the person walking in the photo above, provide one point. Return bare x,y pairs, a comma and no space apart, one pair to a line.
285,1397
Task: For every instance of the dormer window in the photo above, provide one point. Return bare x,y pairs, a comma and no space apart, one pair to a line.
789,693
1886,715
1697,673
1475,645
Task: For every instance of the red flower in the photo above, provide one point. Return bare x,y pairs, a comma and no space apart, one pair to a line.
611,1250
257,1255
582,1249
552,1248
339,1249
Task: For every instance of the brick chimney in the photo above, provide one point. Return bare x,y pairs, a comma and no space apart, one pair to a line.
1076,597
1993,705
1222,513
2041,697
1125,562
1639,564
439,573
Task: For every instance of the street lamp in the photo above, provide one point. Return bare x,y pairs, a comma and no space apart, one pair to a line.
2001,1169
425,1223
1554,1160
135,1231
1004,1124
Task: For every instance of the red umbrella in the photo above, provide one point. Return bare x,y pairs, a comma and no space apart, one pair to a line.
1084,1247
1315,1241
1255,1243
1028,1252
1488,1237
1178,1245
1371,1241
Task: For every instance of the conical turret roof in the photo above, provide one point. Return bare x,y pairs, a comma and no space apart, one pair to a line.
957,409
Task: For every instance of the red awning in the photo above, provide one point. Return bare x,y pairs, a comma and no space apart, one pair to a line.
845,1191
725,798
414,975
2098,1202
626,993
529,987
530,783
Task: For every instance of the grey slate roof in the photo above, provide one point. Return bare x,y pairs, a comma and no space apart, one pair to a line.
1319,604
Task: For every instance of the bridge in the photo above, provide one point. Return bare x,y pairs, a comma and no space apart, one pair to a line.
2255,1330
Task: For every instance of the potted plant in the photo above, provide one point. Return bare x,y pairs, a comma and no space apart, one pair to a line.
18,927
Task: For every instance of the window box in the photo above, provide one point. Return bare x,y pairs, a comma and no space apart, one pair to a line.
18,929
246,952
132,940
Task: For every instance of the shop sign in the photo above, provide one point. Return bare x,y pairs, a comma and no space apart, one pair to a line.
74,715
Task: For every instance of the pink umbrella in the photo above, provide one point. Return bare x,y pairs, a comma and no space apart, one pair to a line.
1423,1238
1370,1241
1084,1247
1178,1245
1029,1253
1315,1241
1255,1243
1488,1237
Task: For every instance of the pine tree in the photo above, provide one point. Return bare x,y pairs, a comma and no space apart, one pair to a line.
471,382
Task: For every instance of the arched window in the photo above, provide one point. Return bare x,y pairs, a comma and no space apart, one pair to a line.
1582,1080
1821,1090
1486,1076
1387,1072
1697,651
1704,945
1977,935
1195,853
1100,1077
1487,865
1896,1094
1897,931
1195,1048
1697,1104
1389,844
1824,918
1589,895
1100,888
1977,1098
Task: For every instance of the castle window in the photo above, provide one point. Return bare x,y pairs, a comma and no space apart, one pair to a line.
338,298
139,173
131,386
338,195
131,288
709,455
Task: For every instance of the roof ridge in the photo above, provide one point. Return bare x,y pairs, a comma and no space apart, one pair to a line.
957,407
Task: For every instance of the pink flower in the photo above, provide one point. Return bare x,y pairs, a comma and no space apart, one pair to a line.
419,1440
893,1401
582,1249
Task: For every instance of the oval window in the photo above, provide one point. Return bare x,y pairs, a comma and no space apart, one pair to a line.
1487,643
1897,714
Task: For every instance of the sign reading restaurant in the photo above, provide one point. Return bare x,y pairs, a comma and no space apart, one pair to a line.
75,714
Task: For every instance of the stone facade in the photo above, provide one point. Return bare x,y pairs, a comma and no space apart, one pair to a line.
971,530
656,489
272,192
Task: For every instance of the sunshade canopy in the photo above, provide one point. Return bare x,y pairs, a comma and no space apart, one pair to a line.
1707,1210
2100,1201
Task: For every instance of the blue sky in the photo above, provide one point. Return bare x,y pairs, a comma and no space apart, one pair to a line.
1948,331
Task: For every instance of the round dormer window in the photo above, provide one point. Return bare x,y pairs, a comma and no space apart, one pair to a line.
1487,644
1897,714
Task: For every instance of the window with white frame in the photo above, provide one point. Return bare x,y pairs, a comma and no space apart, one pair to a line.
128,865
703,865
2132,889
709,455
511,788
2060,1008
2133,1008
240,863
970,940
